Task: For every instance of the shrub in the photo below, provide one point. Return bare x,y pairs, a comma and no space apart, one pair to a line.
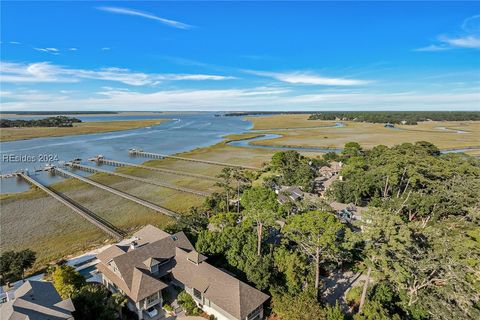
188,304
354,294
167,307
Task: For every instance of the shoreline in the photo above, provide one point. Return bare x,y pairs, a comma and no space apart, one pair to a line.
83,128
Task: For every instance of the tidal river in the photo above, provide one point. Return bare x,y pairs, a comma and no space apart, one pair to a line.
184,132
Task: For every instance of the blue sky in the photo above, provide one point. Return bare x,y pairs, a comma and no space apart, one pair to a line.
132,55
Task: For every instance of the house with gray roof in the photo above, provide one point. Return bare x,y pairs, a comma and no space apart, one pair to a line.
156,260
37,300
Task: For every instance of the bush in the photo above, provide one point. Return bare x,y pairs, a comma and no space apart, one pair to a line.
167,307
188,304
212,317
354,294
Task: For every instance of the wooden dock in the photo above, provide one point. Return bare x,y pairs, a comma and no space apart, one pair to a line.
122,194
82,211
169,171
127,176
162,156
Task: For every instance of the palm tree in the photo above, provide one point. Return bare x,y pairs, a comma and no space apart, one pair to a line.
241,178
225,183
119,300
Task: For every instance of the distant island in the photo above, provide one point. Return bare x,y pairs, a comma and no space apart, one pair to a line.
59,121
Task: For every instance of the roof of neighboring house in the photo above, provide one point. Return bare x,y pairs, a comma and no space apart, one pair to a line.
36,300
286,193
328,182
338,206
232,295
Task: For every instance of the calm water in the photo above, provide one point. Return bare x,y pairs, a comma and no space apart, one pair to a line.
185,132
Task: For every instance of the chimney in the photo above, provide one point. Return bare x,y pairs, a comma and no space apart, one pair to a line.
133,245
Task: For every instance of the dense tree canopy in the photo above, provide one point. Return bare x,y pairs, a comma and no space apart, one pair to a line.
14,263
58,121
413,179
406,117
295,169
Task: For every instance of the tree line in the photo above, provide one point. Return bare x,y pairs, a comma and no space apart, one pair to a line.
59,121
401,117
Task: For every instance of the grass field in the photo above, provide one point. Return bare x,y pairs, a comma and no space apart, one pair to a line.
285,121
442,134
12,134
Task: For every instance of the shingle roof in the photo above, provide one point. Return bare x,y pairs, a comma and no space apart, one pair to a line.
224,290
133,278
36,300
232,295
149,234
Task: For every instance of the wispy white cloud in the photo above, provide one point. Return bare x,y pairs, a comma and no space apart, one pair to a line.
105,49
256,98
54,51
15,42
48,72
131,12
432,48
462,42
469,38
72,49
308,78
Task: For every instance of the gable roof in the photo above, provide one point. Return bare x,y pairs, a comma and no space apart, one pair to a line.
232,295
37,300
134,265
187,266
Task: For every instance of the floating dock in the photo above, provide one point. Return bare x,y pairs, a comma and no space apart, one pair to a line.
122,194
128,164
83,212
142,153
127,176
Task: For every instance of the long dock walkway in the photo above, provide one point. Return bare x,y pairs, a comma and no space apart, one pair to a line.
119,193
127,176
82,211
162,156
116,163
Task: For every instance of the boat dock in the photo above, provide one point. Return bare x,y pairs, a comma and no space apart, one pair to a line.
82,211
157,183
122,194
142,153
115,163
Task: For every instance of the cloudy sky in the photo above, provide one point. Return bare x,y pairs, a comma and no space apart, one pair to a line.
132,55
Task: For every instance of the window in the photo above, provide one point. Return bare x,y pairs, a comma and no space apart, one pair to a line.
151,298
154,268
255,314
197,294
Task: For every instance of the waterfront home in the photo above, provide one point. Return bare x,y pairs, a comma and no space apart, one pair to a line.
156,262
36,300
